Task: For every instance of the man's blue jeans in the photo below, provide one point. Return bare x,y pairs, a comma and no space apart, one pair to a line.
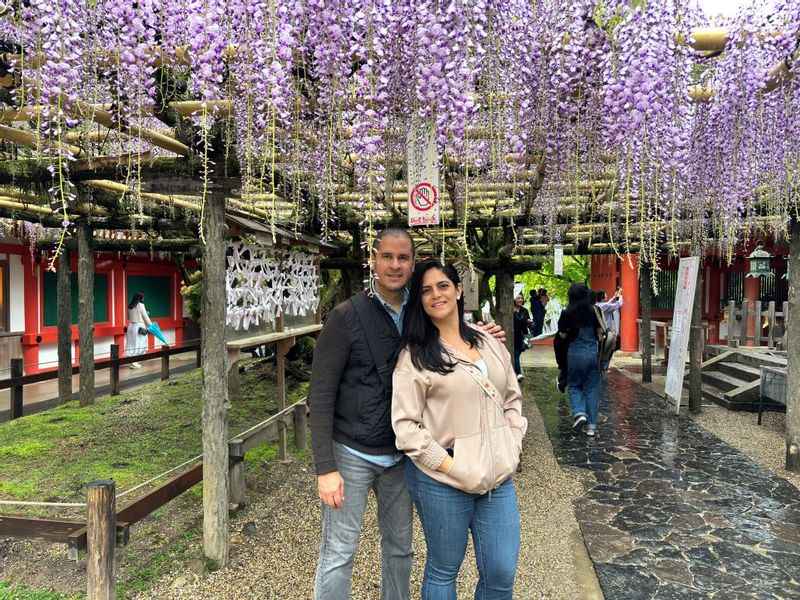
341,528
583,377
447,516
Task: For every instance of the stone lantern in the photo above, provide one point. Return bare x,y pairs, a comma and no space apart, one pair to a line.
759,262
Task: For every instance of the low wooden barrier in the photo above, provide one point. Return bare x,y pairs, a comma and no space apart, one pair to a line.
18,381
77,534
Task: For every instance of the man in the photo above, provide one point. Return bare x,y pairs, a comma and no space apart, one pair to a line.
350,400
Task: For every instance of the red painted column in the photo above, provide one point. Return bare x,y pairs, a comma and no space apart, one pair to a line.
752,294
714,315
33,311
604,273
629,282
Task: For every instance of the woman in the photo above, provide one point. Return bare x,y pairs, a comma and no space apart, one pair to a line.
456,412
522,327
538,310
138,320
579,325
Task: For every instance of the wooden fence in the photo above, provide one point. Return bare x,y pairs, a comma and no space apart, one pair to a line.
18,381
102,517
770,335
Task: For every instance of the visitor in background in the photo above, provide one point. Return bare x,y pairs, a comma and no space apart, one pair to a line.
610,315
580,326
138,322
522,328
537,312
456,411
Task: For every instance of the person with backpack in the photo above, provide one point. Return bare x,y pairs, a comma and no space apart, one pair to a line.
611,329
580,326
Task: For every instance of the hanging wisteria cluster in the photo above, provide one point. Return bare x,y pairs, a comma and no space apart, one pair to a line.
324,92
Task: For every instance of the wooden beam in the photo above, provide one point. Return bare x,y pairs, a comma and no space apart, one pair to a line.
52,530
29,140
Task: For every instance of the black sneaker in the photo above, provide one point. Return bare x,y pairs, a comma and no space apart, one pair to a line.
561,384
579,420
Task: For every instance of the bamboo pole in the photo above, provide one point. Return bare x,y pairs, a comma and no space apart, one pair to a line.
29,140
121,188
218,108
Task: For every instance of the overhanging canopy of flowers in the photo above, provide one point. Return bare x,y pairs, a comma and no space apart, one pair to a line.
310,103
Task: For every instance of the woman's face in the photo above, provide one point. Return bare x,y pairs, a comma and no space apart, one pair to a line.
519,300
439,295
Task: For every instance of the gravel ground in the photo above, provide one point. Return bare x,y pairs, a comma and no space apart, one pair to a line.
278,560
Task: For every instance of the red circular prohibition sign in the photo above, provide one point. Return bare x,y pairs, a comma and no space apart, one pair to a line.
424,196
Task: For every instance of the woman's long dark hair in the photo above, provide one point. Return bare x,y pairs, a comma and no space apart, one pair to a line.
420,335
579,311
137,297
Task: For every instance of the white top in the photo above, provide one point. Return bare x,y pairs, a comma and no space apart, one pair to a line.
138,314
481,364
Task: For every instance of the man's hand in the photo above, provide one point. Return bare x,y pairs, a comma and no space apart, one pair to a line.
494,330
331,489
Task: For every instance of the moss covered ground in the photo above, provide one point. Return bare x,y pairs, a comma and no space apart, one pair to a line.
52,456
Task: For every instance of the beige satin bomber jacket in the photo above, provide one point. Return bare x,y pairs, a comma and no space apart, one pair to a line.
433,412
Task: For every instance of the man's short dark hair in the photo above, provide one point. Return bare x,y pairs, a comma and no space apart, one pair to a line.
601,296
392,232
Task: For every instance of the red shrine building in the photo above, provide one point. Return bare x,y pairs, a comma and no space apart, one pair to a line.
722,283
28,302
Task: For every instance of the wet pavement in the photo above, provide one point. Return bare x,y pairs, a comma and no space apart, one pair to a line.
671,510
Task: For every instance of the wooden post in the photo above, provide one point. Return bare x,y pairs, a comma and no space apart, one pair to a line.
696,347
504,307
199,359
745,317
731,322
282,348
792,337
644,299
17,368
165,364
236,488
301,426
64,320
234,381
785,317
86,314
757,329
113,371
771,324
101,537
215,385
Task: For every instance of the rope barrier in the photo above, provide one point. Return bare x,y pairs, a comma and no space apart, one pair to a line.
30,503
159,476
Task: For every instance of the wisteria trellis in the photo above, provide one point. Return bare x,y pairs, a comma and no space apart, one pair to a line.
323,91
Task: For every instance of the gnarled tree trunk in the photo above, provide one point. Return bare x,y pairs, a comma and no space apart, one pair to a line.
86,313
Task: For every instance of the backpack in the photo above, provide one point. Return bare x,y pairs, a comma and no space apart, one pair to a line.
607,340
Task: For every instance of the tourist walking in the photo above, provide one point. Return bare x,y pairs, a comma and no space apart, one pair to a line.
538,310
456,411
580,326
522,329
136,342
354,447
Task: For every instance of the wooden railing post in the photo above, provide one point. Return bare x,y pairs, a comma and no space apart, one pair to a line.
745,317
101,539
165,364
16,391
757,329
301,426
114,370
731,322
236,489
771,324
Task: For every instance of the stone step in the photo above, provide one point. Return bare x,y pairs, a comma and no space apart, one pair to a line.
722,381
738,370
715,395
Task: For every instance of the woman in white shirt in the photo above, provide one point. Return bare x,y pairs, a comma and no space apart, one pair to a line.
138,319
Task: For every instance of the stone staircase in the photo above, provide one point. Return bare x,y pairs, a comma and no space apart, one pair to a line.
731,377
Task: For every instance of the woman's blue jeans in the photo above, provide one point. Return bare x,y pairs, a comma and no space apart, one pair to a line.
583,378
447,516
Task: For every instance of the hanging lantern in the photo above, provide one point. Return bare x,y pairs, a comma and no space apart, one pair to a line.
759,262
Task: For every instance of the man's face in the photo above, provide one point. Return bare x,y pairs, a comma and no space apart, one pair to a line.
393,263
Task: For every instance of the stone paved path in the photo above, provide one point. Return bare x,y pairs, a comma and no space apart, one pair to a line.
675,512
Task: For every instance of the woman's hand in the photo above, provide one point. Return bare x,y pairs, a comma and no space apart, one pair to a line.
446,465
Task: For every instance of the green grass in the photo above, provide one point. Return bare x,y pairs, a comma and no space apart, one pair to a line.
13,592
53,455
